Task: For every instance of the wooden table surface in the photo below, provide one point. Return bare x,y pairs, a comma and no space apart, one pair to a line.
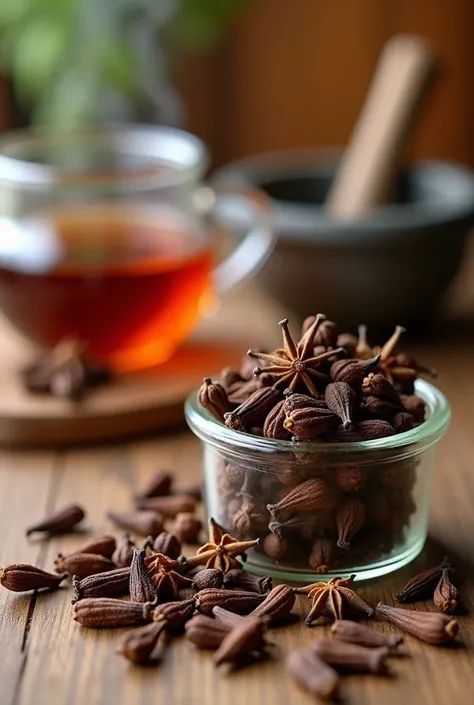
46,658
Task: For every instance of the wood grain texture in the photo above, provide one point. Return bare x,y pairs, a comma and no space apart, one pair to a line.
47,659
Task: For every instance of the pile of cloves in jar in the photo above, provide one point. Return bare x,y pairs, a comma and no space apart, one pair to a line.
149,587
329,387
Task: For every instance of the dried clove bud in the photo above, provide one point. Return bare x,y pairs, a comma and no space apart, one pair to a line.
374,407
327,333
310,494
169,506
356,633
246,581
186,527
138,645
229,618
350,516
175,614
142,588
415,406
112,583
351,658
350,478
208,578
432,627
165,576
123,554
82,564
229,376
21,577
376,385
348,341
106,612
60,522
213,397
277,605
446,596
159,485
102,545
353,371
273,426
402,421
310,672
306,524
363,431
321,554
342,400
143,523
205,632
241,641
167,544
234,600
310,422
295,401
422,586
277,548
254,410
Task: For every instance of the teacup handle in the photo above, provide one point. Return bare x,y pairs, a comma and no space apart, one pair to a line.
240,209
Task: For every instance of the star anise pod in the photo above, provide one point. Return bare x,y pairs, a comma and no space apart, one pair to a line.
221,551
295,364
64,372
334,599
164,575
399,367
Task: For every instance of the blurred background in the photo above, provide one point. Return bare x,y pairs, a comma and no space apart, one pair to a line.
247,76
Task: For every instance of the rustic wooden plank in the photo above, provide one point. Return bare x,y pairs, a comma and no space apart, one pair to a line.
27,483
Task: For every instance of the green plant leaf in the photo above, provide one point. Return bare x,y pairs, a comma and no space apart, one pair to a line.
119,66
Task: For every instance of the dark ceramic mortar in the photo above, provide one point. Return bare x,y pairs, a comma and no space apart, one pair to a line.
390,268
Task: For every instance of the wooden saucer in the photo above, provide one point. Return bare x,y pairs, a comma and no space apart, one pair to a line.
130,405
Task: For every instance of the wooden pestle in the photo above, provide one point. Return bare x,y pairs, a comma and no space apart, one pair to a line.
370,164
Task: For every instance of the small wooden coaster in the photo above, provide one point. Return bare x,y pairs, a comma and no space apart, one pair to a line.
130,405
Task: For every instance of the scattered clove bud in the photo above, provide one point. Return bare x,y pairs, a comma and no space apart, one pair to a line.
107,612
356,633
213,397
169,506
167,544
22,577
422,586
243,640
310,494
310,672
138,645
186,527
446,596
82,564
205,632
142,588
112,583
143,523
351,658
433,627
234,600
208,578
102,545
243,580
123,554
158,486
277,605
229,618
342,400
175,614
60,522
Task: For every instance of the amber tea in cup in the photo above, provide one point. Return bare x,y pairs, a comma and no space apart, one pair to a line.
104,237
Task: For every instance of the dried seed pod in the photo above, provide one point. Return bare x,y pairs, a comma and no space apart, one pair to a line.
235,475
254,410
305,524
175,614
213,397
276,548
446,596
82,564
241,391
106,612
295,401
143,523
273,426
306,424
350,478
422,585
414,405
353,371
102,545
60,522
142,588
138,645
186,527
229,376
246,581
310,494
376,408
250,520
402,421
229,618
241,641
168,507
348,341
277,605
342,400
355,633
193,490
112,583
363,431
167,544
208,578
158,486
21,577
350,516
234,600
311,673
321,554
351,658
123,554
432,627
205,632
376,385
327,333
165,576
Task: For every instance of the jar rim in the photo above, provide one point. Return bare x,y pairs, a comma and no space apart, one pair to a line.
208,429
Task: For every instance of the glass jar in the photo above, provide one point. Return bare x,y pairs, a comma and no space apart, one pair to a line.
376,490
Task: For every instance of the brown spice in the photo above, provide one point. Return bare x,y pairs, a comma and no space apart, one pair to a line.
310,494
334,599
350,516
243,640
123,554
446,596
422,585
168,506
105,612
253,411
138,645
213,397
158,486
167,544
352,372
142,588
243,580
186,527
208,578
351,658
22,577
274,423
102,545
356,633
205,632
342,400
310,672
350,478
165,576
277,548
143,523
321,554
60,522
112,583
362,431
277,605
310,422
238,601
175,614
82,564
221,550
433,627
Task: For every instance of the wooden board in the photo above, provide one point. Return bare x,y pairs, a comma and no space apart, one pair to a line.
131,404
